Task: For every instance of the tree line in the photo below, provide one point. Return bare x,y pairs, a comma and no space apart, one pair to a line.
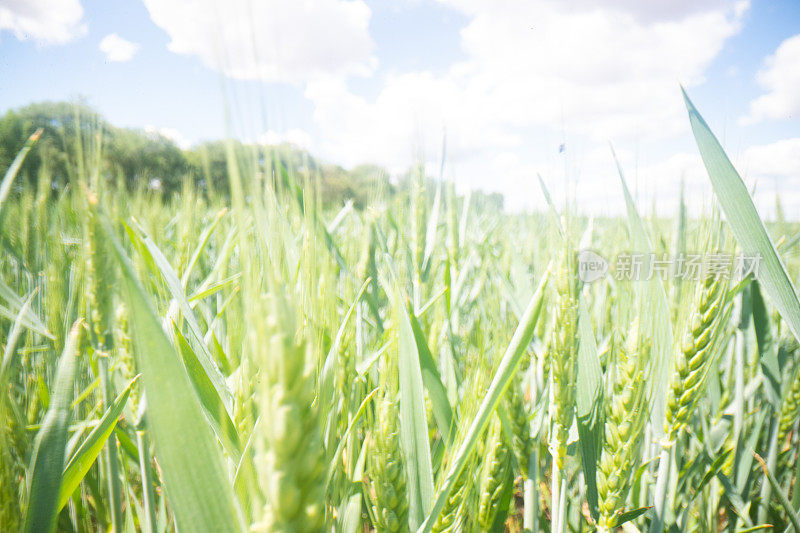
139,158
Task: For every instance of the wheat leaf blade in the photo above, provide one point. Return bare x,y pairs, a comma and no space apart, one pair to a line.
86,454
744,221
47,461
500,382
413,420
196,483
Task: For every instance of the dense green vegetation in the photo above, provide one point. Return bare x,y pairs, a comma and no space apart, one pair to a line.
247,356
135,157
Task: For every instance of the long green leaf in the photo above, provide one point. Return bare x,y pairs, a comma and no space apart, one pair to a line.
711,473
442,412
11,342
746,225
86,454
212,404
11,172
202,241
767,349
13,311
413,419
433,225
47,461
201,350
502,378
342,441
554,218
654,314
589,405
627,516
794,518
198,489
326,375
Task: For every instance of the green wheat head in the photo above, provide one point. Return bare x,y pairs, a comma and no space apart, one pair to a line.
626,417
387,471
563,358
495,476
696,353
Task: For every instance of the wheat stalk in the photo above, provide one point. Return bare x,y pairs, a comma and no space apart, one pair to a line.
521,442
790,409
626,416
387,471
563,361
495,476
696,353
295,454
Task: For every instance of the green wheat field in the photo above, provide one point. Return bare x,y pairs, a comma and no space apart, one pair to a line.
251,356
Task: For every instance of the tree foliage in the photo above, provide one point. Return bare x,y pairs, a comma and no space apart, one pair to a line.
138,158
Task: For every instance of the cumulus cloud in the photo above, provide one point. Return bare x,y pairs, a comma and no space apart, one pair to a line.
44,21
655,10
779,160
533,71
780,77
774,169
534,74
118,49
169,133
771,170
271,40
295,136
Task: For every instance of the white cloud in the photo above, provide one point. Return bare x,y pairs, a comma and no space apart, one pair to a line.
655,10
779,160
295,136
780,77
771,169
272,40
169,133
117,49
535,74
408,116
45,21
774,170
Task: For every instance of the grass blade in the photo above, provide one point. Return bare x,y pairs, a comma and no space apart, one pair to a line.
413,419
13,311
633,514
11,342
502,378
47,461
555,219
11,173
767,350
442,411
433,225
782,499
343,440
327,373
176,290
203,240
212,404
746,225
86,454
589,406
654,313
197,486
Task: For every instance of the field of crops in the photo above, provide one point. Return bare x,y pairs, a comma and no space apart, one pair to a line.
250,361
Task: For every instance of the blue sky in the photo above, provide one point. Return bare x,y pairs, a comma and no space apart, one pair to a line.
379,81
